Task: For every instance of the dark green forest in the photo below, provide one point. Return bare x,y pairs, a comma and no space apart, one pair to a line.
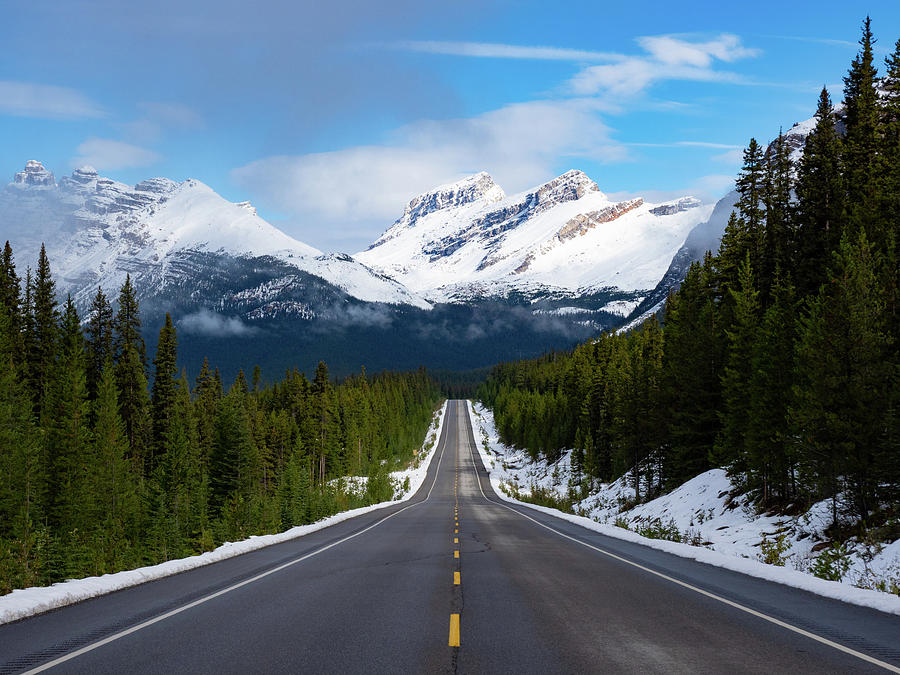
100,472
778,358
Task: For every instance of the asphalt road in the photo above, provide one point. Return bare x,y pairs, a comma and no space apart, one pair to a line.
388,592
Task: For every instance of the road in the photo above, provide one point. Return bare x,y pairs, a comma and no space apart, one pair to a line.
455,581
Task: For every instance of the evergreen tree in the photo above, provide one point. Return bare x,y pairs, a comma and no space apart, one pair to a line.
10,298
751,188
44,329
22,475
820,200
99,340
163,394
729,448
861,119
779,236
770,464
127,325
844,379
114,484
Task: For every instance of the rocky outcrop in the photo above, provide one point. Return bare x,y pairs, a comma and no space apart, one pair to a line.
672,208
34,175
583,222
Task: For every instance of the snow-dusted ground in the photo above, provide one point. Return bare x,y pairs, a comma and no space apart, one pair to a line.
721,531
27,602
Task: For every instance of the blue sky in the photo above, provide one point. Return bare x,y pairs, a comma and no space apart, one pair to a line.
330,118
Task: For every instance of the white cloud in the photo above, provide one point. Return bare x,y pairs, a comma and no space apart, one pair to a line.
519,144
668,58
26,99
109,155
496,50
206,322
675,51
735,156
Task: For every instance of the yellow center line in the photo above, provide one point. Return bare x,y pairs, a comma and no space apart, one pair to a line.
456,531
455,540
454,630
455,554
456,578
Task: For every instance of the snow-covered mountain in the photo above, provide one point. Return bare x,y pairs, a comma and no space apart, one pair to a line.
564,239
166,234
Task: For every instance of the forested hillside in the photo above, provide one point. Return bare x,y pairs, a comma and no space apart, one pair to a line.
100,473
779,354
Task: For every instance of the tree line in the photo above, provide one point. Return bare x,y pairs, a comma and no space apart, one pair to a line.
778,358
101,472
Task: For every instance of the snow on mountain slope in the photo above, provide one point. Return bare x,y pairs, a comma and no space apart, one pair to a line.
467,240
97,230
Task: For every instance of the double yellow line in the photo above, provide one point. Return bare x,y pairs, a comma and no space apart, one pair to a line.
454,617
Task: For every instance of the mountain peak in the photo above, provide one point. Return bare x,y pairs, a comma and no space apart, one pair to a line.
34,175
477,187
573,184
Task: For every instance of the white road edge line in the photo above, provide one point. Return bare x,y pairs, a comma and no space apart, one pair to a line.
771,619
162,617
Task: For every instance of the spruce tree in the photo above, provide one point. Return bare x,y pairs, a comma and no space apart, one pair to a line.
770,463
820,200
127,324
860,158
163,394
730,448
44,327
751,203
11,299
99,340
841,410
115,483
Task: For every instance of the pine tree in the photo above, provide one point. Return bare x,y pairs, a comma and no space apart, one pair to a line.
44,336
22,473
779,236
99,340
163,394
730,448
68,448
770,464
115,483
820,200
861,120
10,298
751,210
841,409
127,325
134,404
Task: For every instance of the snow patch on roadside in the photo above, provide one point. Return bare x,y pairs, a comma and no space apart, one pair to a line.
726,532
26,602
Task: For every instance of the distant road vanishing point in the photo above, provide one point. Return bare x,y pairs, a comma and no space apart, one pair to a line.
455,580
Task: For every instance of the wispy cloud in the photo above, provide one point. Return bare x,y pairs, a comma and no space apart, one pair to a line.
688,144
109,155
27,99
519,144
815,40
667,58
157,118
494,50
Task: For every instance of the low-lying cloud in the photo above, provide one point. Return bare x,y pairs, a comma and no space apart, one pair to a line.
206,322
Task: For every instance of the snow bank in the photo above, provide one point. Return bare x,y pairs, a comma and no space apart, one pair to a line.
29,601
729,534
